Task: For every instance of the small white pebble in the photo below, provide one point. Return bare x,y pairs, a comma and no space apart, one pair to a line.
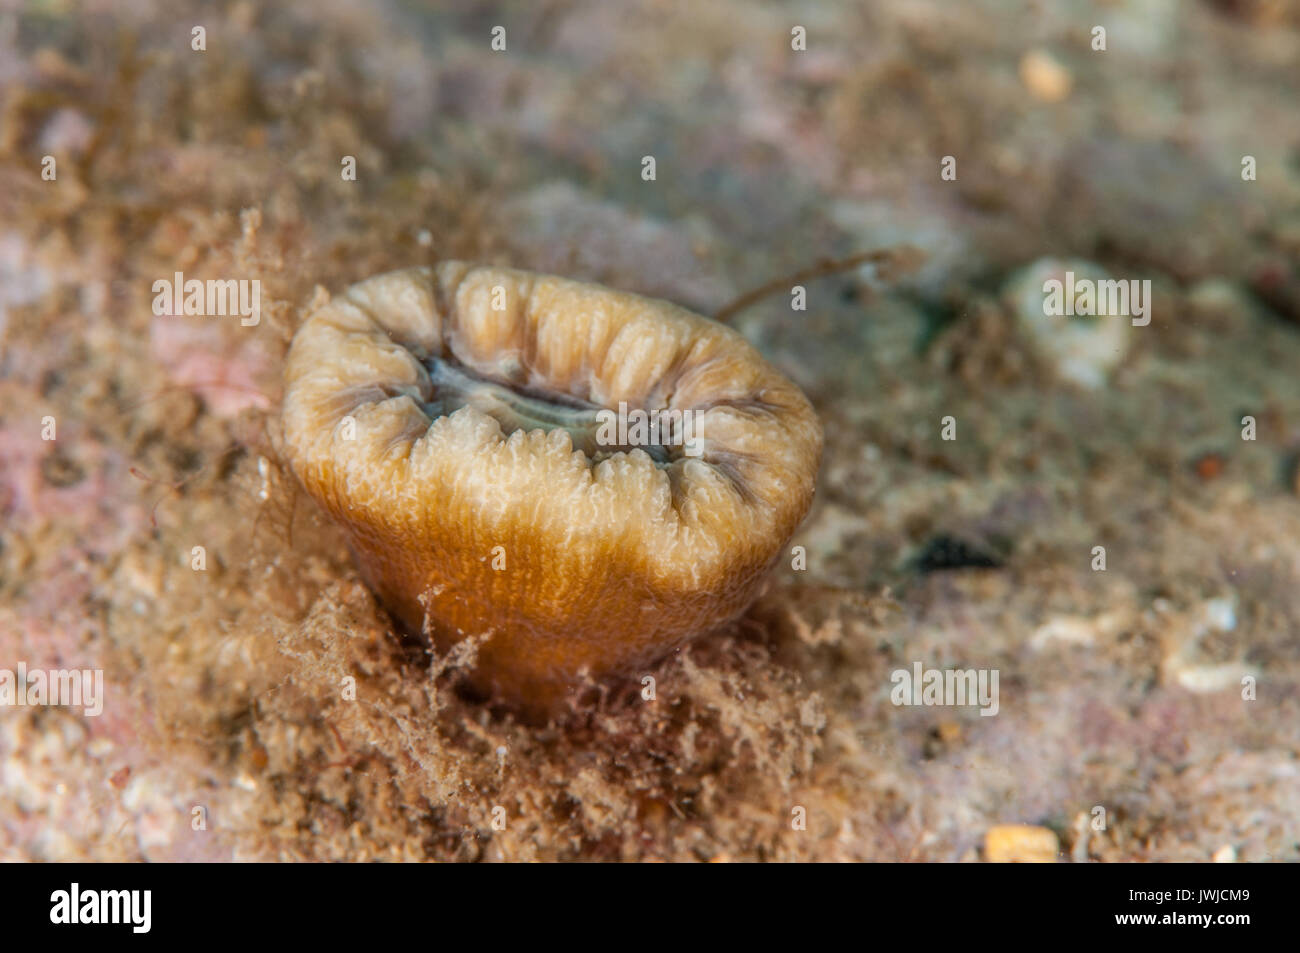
1071,630
1221,613
1205,679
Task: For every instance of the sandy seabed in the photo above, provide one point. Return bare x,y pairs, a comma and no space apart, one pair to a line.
1147,711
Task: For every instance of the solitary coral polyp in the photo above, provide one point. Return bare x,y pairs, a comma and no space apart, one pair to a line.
446,418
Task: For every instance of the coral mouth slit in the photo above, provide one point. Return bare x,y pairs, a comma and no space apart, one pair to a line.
454,421
516,407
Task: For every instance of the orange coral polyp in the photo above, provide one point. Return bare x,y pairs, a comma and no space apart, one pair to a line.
433,413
